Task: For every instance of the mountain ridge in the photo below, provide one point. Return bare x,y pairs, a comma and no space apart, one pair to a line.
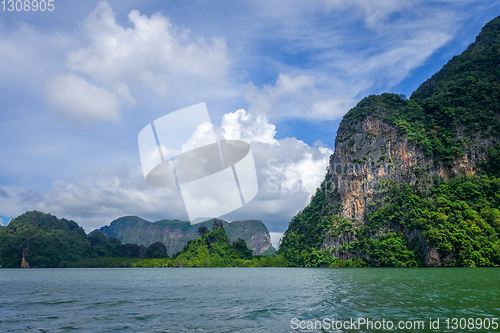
176,233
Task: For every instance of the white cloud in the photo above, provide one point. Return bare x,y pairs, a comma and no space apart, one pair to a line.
288,171
152,51
242,126
1,222
126,63
107,194
203,135
306,173
80,102
287,168
333,108
345,62
296,97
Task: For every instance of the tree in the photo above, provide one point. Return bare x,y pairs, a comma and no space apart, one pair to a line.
157,250
203,230
241,249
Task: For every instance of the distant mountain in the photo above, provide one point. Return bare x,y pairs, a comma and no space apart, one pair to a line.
175,234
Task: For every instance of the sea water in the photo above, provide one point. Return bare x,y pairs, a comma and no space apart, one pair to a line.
249,300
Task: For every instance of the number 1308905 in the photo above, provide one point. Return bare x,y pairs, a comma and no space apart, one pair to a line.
27,5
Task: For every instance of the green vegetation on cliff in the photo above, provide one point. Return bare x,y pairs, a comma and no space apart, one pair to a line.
305,234
214,249
459,218
464,96
44,239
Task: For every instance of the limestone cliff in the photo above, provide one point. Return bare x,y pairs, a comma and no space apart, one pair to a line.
370,153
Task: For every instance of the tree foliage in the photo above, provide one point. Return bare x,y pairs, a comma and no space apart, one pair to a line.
214,249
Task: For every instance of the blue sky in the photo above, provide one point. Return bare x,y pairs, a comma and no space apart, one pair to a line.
80,82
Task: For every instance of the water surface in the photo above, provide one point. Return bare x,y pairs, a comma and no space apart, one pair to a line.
240,299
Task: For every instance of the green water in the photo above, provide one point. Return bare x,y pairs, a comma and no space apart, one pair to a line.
244,299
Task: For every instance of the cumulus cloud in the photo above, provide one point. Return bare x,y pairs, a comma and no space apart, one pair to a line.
80,102
288,170
303,171
242,126
152,51
124,62
203,135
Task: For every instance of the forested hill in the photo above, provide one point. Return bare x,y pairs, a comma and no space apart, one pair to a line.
175,233
36,239
413,181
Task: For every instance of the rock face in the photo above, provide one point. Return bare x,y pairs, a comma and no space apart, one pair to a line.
175,233
24,263
370,152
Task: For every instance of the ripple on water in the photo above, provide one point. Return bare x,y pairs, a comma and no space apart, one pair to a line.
236,300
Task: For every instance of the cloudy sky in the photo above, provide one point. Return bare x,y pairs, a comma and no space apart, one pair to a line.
80,82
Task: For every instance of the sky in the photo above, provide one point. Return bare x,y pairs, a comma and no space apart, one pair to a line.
78,84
